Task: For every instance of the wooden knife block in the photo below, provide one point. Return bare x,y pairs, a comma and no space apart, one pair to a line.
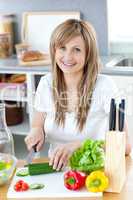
115,160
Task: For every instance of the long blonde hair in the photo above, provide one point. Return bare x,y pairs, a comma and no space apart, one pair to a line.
61,35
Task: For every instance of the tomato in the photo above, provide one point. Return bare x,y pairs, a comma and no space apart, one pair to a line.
17,188
20,182
24,187
21,186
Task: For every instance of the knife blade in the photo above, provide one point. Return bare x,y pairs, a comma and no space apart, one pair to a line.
31,154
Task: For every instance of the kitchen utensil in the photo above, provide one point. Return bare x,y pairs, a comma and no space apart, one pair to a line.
7,165
31,154
112,116
115,149
38,63
121,114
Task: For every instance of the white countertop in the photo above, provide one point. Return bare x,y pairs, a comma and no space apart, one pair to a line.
11,65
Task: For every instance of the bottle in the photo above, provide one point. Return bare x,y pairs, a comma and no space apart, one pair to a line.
6,138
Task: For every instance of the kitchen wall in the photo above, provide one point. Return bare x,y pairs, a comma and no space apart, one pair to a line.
92,10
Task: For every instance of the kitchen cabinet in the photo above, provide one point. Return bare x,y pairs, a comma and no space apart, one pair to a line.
11,66
125,87
27,105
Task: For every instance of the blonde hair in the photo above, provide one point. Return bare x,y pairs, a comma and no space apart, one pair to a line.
61,35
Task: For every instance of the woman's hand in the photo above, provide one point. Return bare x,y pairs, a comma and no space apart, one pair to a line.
61,155
36,136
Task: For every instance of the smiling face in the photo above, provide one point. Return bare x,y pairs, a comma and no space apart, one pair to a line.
70,57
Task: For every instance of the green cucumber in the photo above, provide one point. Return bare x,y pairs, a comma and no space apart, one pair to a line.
40,168
22,172
35,186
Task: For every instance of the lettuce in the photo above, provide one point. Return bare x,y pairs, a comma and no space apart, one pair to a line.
89,157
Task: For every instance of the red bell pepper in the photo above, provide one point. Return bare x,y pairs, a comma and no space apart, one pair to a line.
74,180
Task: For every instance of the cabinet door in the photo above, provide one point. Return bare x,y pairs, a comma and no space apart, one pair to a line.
125,86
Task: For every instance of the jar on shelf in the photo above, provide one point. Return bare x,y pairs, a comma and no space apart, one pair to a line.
21,48
6,27
6,138
14,113
5,45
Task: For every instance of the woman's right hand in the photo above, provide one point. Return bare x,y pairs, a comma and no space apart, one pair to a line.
36,136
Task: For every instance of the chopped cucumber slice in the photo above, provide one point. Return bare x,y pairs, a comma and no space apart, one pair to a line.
23,172
35,186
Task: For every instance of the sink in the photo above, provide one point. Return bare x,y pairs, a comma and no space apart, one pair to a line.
119,65
126,62
120,62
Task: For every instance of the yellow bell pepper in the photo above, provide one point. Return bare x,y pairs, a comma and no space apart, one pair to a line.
96,181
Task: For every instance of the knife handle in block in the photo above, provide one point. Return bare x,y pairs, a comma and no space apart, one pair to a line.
115,160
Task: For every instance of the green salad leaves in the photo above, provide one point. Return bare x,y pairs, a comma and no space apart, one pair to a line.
89,157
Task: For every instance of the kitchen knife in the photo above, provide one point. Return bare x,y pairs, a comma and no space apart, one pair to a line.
121,114
112,115
31,154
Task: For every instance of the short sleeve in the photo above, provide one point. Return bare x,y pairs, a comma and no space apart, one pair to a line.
42,101
110,91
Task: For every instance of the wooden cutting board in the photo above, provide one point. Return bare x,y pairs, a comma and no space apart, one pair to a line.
54,188
35,63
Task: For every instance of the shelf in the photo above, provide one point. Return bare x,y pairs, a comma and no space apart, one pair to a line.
18,99
11,66
21,129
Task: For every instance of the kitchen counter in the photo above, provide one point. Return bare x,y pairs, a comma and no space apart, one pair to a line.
11,65
110,69
126,193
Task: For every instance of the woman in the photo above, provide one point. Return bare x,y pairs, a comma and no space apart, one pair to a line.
72,104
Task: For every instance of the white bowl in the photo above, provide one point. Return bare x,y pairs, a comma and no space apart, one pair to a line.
8,169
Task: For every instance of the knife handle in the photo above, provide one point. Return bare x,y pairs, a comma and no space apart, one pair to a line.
121,114
34,147
111,115
114,117
120,118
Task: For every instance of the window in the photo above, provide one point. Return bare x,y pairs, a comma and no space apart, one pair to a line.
120,20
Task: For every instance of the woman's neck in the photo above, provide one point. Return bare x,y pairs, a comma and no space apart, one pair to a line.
72,80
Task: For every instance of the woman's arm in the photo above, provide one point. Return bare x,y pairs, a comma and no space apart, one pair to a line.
128,145
36,135
38,119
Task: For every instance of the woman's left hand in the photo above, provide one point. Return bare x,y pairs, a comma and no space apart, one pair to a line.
61,155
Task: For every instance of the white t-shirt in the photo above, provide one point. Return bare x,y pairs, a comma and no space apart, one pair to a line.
97,119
